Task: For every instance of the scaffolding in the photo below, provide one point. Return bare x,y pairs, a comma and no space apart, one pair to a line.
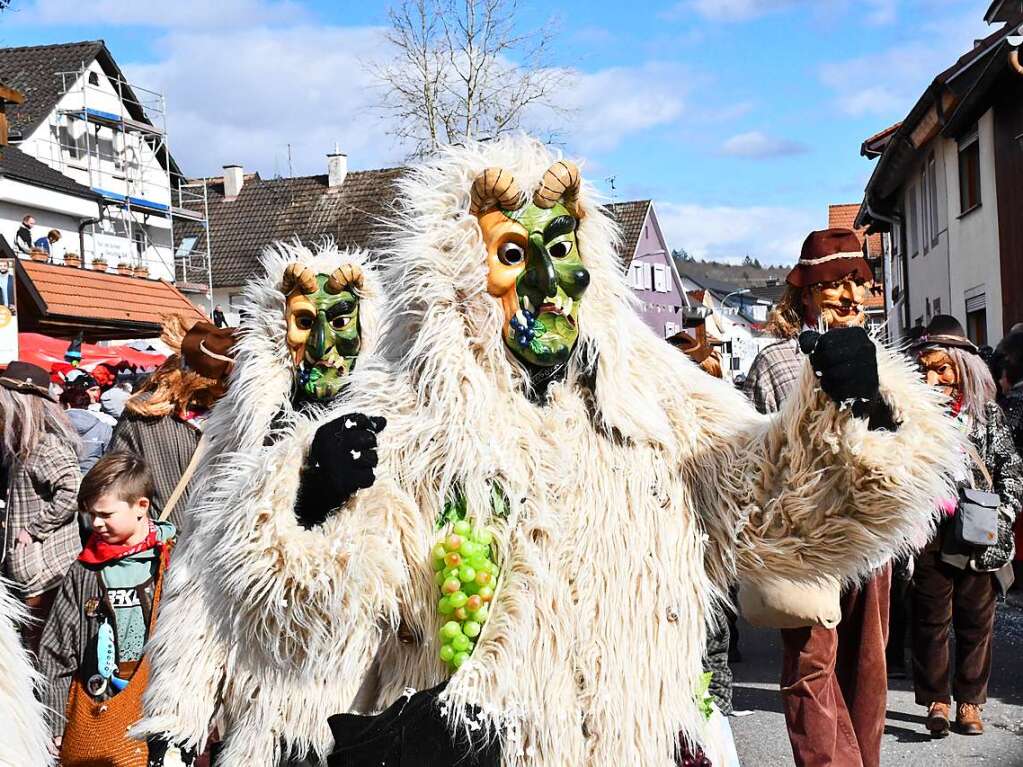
112,136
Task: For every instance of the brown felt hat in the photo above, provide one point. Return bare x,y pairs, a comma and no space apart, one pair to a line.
207,350
829,255
28,378
944,330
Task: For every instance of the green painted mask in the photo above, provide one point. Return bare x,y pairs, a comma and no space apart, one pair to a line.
536,272
323,331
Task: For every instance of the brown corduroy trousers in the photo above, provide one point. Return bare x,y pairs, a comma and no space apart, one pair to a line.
945,596
834,682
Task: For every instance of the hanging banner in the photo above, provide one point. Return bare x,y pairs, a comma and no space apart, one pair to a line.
113,249
8,314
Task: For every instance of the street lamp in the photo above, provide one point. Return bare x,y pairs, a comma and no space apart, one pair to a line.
724,301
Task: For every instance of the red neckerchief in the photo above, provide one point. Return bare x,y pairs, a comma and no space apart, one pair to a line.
957,403
98,552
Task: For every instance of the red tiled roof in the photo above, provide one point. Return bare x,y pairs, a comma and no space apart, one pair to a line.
98,298
885,133
844,216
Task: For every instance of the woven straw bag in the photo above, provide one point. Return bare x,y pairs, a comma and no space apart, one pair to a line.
96,732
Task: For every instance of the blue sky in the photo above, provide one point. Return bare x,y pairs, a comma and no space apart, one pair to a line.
742,119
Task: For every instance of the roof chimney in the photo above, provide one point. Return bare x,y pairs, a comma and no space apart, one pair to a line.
234,177
337,168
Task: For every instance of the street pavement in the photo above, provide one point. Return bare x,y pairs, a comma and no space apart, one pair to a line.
762,741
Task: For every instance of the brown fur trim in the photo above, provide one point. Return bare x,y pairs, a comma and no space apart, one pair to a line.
173,390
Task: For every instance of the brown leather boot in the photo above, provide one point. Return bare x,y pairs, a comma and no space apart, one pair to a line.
937,719
968,719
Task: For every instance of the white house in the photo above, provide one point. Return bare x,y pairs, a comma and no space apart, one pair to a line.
739,314
81,118
947,188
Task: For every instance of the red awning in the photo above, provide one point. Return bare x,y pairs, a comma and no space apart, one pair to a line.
46,352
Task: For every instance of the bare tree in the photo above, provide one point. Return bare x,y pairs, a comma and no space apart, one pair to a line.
462,71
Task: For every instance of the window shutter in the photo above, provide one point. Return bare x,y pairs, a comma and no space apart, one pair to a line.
976,303
648,278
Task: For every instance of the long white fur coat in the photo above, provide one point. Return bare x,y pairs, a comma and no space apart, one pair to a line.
251,626
26,735
637,493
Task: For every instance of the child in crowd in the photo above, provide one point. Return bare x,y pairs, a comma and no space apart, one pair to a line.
92,647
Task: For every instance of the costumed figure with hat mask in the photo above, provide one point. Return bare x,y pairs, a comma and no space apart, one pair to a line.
163,422
259,625
562,498
834,681
958,574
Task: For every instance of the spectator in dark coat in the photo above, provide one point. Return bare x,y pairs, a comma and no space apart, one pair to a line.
23,239
218,317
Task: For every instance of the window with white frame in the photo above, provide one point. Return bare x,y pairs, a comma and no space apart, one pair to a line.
640,277
670,329
969,173
660,278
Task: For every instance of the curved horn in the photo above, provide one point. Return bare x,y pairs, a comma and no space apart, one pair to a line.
495,187
342,277
298,277
559,184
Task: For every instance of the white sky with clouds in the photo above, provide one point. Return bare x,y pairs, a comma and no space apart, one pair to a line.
740,118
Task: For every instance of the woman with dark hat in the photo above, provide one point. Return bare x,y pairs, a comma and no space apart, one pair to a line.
954,581
40,466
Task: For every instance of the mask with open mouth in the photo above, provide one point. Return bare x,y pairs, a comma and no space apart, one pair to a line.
839,303
323,326
535,270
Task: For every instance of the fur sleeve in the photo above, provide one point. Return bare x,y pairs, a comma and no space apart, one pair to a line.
275,606
26,735
812,491
187,659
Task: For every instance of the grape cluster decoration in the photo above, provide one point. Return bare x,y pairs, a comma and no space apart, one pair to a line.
465,573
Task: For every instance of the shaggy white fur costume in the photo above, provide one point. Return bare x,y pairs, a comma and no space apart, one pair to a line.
25,737
253,616
636,493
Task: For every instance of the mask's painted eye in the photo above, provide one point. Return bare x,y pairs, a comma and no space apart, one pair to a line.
340,323
304,322
511,253
560,249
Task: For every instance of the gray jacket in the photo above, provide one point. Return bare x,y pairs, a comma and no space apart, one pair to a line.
95,434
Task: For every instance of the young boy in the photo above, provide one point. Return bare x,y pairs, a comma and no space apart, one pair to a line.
92,646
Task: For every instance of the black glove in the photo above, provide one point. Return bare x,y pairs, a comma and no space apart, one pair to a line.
341,461
845,362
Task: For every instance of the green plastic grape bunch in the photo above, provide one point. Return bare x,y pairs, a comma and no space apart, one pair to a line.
465,574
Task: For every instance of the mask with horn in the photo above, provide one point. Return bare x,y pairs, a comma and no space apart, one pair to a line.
324,337
535,270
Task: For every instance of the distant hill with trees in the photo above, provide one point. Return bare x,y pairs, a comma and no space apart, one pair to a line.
749,274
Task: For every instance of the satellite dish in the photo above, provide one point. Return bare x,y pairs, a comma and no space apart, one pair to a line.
1016,38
